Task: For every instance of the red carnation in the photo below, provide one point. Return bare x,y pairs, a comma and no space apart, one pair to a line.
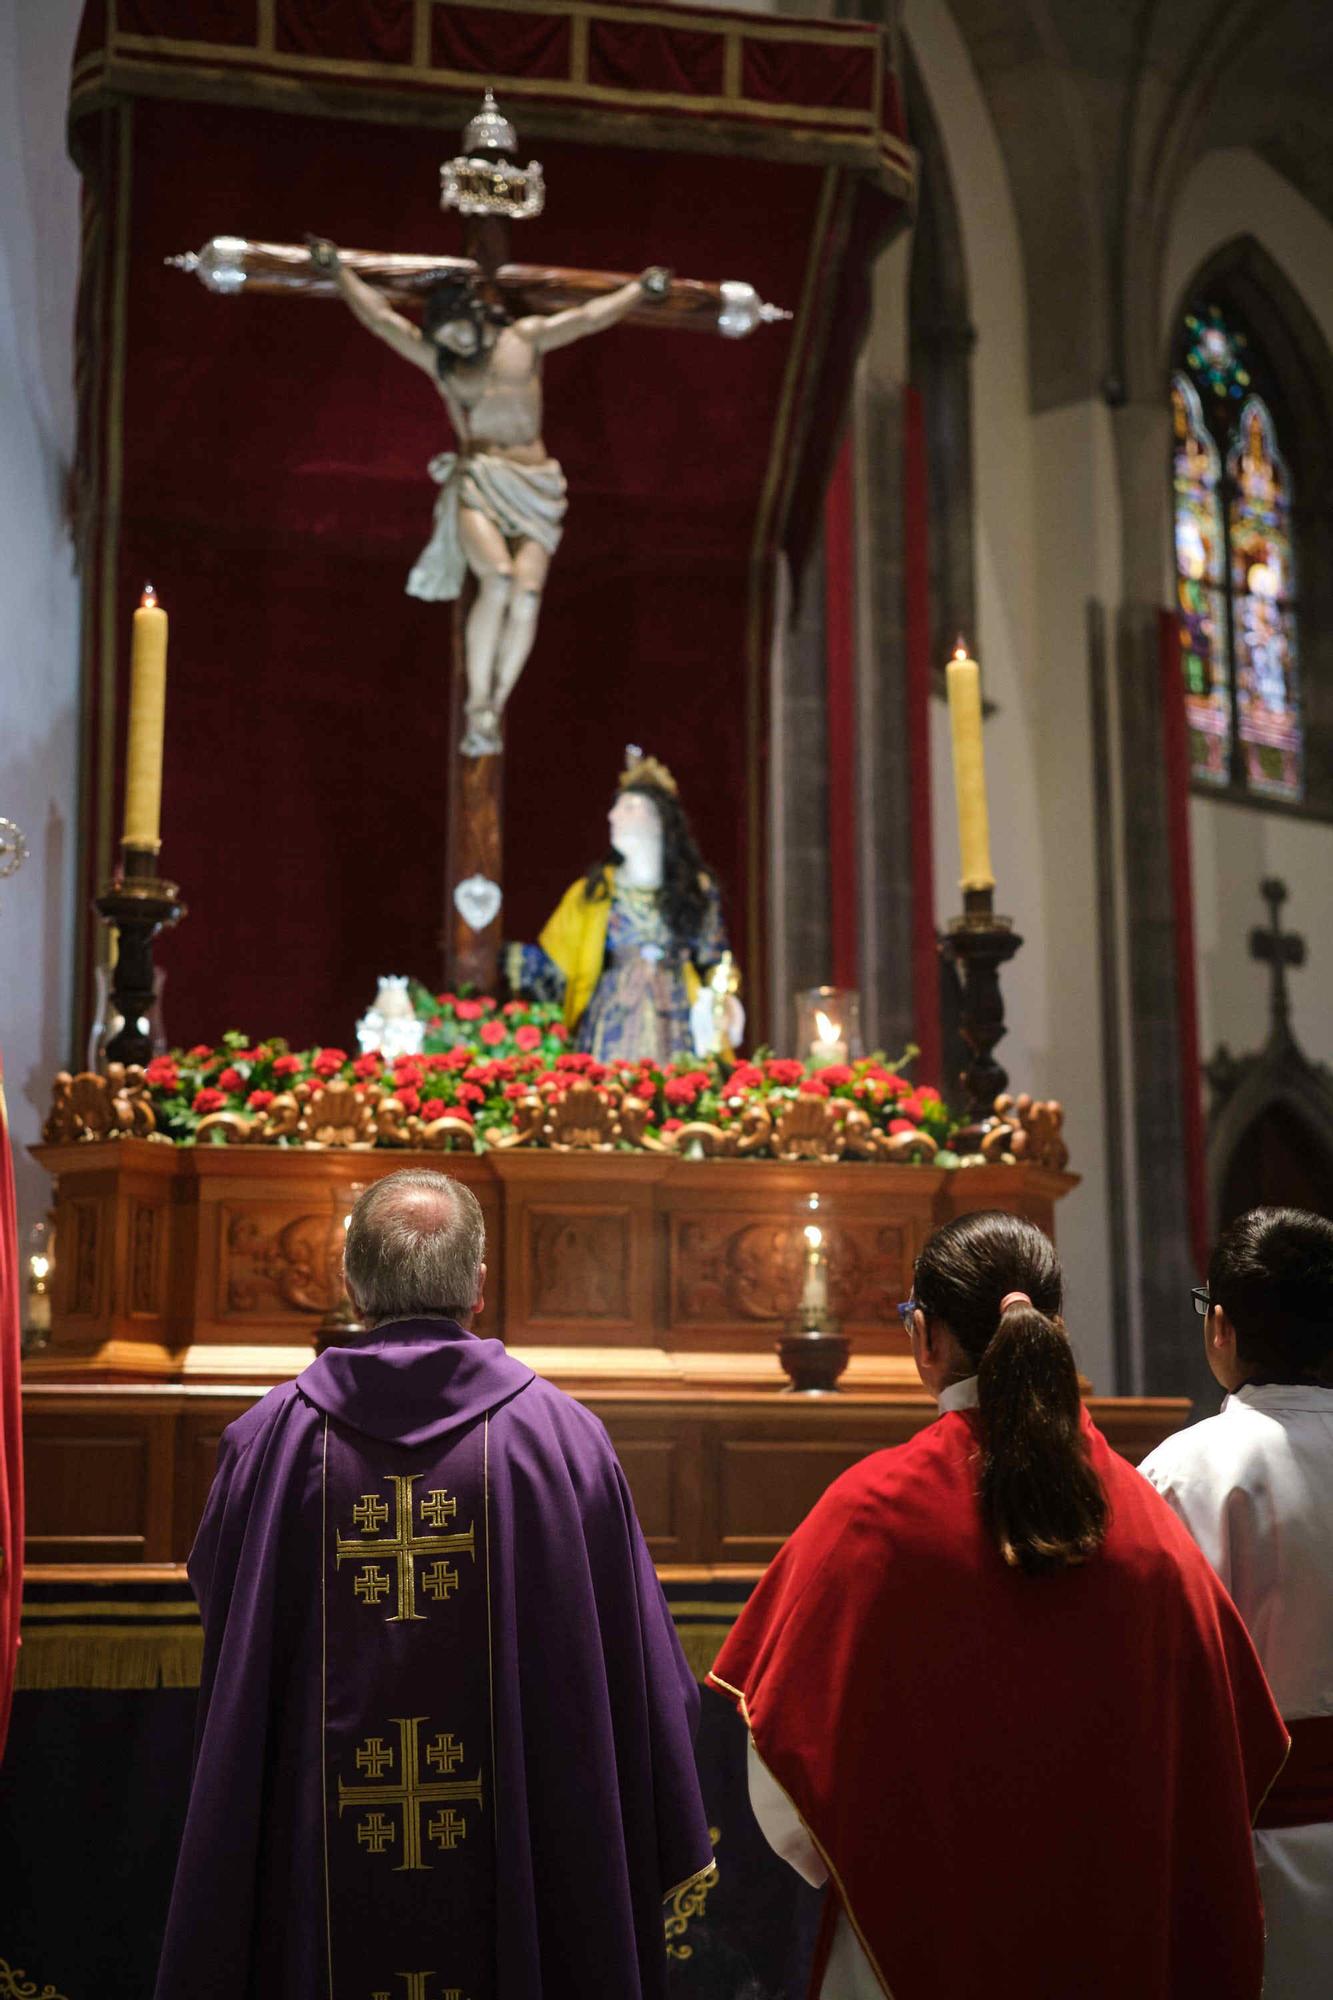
682,1090
201,1052
435,1021
471,1093
783,1070
286,1065
493,1032
367,1066
835,1074
512,1007
901,1125
327,1062
407,1071
468,1010
513,1091
461,1111
433,1108
814,1086
259,1100
231,1079
162,1073
672,1124
644,1088
913,1106
408,1096
528,1037
208,1100
559,1032
745,1076
459,1058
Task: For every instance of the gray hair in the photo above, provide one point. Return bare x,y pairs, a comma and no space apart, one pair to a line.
415,1244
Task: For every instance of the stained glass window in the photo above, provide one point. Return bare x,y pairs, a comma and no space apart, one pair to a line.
1235,573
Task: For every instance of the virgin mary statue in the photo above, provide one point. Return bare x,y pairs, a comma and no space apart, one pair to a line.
629,946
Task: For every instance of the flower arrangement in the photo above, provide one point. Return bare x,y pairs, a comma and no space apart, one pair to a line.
502,1075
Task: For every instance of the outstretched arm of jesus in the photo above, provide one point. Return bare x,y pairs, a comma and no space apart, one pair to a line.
560,329
372,308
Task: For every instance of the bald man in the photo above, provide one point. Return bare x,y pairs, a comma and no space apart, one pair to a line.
444,1740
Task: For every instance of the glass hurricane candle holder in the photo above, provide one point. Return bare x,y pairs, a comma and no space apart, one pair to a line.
341,1322
828,1025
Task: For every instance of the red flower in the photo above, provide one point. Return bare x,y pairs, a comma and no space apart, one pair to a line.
681,1090
644,1088
259,1100
433,1108
286,1065
835,1074
367,1066
814,1086
672,1124
745,1076
928,1094
435,1021
471,1093
408,1096
231,1079
559,1032
782,1070
208,1100
913,1106
493,1032
512,1007
201,1052
162,1073
487,1003
901,1125
461,1111
528,1037
513,1091
459,1058
405,1070
328,1062
468,1010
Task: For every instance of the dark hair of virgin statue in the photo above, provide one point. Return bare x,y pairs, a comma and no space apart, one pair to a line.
1040,1498
686,881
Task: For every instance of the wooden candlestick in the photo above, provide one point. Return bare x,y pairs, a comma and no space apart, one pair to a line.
979,943
139,904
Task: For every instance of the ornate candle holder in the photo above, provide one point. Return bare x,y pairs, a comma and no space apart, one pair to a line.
139,903
979,943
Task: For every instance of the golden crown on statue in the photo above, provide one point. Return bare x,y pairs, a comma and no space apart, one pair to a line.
641,770
482,181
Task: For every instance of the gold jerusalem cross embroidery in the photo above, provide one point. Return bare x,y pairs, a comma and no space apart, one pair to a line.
404,1545
409,1795
416,1988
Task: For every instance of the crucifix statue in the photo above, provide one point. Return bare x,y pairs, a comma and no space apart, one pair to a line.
485,326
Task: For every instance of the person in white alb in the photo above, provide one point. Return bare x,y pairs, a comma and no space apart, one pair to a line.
1254,1486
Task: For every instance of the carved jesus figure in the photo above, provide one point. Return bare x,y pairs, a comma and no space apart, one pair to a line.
501,507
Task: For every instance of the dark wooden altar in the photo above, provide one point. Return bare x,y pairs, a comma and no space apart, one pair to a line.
189,1280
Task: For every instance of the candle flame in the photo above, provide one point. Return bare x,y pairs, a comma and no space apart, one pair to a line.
814,1235
39,1265
149,598
826,1030
960,651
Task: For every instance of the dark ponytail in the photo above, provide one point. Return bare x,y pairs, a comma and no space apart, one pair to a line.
1040,1498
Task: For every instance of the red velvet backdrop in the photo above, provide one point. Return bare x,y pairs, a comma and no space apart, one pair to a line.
270,459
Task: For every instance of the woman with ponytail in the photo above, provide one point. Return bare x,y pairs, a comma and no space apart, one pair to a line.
997,1700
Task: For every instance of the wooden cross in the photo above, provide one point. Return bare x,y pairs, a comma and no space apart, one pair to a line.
409,1795
1277,949
403,1546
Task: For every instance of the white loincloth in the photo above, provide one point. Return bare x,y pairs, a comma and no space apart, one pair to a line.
525,502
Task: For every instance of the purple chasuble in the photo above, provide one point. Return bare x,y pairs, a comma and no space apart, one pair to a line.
444,1747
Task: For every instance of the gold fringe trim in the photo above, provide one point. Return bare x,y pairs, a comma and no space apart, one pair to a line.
111,1657
701,1645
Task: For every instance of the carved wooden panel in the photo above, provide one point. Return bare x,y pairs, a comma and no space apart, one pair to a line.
650,1467
726,1269
578,1263
148,1258
277,1261
80,1237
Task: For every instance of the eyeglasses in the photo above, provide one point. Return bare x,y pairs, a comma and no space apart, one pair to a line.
1202,1302
906,1308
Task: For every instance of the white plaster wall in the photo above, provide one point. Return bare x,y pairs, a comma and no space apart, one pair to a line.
1046,534
39,249
1231,193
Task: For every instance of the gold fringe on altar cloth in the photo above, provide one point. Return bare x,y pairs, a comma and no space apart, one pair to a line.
109,1646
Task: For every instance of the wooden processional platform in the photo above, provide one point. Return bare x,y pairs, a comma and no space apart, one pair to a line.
189,1280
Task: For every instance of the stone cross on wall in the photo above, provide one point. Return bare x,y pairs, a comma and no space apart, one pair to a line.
1277,949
